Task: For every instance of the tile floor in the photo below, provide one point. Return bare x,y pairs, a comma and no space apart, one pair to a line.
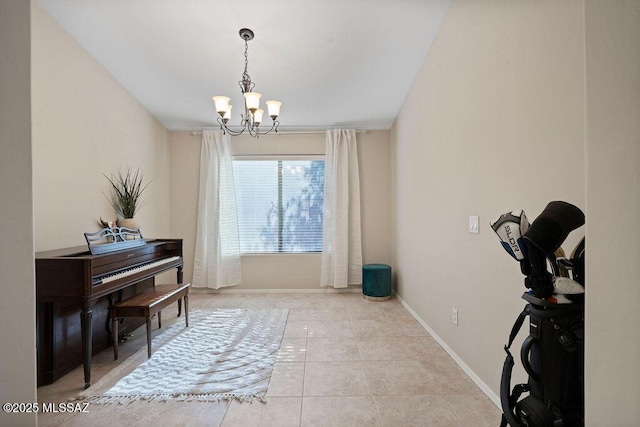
343,361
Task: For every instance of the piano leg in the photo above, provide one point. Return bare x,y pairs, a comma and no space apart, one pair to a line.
87,343
179,274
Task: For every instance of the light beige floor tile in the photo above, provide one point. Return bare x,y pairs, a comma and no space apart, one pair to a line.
365,315
398,378
388,305
296,329
360,303
358,312
332,350
329,381
335,379
449,377
411,328
375,328
186,414
276,412
104,415
384,348
398,316
425,348
474,411
292,350
439,365
293,295
328,313
222,301
357,300
416,411
328,299
293,300
348,411
459,384
53,419
286,380
298,314
259,300
67,386
393,306
330,329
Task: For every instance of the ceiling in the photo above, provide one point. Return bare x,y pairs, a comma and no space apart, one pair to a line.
332,63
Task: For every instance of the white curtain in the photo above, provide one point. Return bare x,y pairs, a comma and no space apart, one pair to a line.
217,256
341,244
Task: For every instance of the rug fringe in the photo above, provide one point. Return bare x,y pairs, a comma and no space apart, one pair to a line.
125,400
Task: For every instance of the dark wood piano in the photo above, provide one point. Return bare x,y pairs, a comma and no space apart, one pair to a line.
74,289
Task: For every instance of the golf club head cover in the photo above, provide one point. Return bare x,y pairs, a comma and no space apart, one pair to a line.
544,237
539,280
553,225
510,228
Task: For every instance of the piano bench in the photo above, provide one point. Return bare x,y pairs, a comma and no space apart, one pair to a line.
146,305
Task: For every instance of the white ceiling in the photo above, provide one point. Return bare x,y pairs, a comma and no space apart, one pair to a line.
332,63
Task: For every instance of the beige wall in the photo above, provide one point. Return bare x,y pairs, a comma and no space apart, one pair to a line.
494,122
85,124
17,281
613,208
279,271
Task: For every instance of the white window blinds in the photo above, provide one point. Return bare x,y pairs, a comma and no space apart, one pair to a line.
280,201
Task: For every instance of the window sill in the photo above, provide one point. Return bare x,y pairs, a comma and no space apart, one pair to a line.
263,254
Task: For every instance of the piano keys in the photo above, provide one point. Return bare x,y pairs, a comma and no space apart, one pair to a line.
134,270
74,289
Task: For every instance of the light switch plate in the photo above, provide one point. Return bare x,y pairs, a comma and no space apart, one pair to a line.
473,225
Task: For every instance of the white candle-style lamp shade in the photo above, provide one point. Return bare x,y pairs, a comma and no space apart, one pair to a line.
253,100
257,116
222,102
274,108
227,114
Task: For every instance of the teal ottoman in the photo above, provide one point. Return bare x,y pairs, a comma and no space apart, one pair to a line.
376,282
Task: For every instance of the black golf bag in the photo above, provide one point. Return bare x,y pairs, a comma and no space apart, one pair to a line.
553,353
553,357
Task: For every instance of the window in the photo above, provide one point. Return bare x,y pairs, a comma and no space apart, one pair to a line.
279,203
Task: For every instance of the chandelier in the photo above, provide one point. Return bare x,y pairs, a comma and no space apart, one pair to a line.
252,117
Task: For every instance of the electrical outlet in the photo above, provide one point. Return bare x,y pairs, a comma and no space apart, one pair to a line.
454,317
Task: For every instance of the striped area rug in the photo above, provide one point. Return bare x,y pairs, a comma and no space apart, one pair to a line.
223,354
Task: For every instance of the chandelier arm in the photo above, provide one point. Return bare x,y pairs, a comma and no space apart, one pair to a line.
273,128
251,129
225,129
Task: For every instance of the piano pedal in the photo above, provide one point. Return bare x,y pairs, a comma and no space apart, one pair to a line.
124,337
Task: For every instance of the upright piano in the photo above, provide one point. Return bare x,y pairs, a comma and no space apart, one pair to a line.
74,288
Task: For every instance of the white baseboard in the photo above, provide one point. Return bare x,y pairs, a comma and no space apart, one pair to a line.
474,377
231,290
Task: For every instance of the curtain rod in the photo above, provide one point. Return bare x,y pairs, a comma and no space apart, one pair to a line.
291,132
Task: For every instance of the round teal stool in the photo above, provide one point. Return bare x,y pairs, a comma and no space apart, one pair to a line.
376,282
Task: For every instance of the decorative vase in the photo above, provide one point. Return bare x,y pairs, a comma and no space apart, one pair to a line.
130,223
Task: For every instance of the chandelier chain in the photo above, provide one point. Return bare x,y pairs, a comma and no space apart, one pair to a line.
246,85
246,56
